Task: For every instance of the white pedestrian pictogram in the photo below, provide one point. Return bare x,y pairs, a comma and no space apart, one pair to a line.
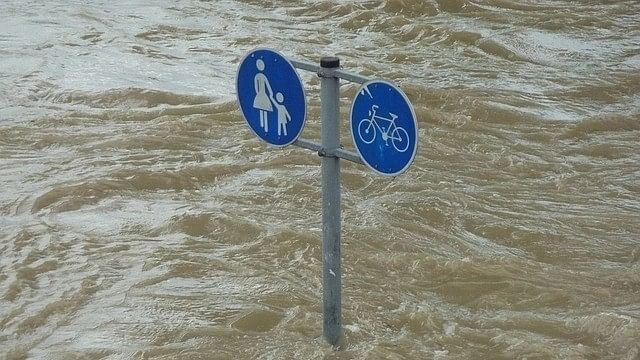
262,101
283,115
398,135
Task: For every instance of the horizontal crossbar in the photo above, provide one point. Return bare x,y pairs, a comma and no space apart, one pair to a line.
327,72
339,153
336,73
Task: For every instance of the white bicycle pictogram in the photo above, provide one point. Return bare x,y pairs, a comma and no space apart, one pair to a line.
398,135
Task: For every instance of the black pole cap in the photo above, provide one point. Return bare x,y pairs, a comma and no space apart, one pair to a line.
329,62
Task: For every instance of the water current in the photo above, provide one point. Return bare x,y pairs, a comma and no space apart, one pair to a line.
141,218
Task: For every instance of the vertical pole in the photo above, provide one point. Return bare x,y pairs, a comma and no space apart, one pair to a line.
331,272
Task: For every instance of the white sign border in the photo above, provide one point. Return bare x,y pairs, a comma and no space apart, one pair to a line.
304,96
415,123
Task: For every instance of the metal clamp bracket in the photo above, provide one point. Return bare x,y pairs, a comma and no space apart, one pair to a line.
323,152
329,73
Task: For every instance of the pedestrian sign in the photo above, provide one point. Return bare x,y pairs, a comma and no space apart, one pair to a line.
271,97
384,127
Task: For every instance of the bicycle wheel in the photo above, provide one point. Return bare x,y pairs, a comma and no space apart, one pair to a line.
366,131
400,139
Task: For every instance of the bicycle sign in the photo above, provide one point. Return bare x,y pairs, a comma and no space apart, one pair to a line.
384,127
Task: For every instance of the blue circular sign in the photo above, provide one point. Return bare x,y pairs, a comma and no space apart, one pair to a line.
384,127
271,97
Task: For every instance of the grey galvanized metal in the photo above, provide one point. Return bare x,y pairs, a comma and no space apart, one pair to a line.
331,152
325,72
330,72
331,222
340,152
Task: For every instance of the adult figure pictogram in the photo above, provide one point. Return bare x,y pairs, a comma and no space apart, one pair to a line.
262,100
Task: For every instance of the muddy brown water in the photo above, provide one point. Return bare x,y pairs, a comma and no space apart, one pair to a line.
140,218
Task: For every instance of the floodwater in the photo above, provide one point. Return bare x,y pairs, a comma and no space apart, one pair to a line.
141,218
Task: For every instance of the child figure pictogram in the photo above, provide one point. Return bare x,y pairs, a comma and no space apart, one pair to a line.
283,114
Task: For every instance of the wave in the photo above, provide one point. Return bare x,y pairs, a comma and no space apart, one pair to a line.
69,197
603,124
412,7
127,97
521,6
165,32
65,307
607,91
325,10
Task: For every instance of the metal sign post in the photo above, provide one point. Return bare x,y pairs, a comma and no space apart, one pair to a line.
331,272
384,130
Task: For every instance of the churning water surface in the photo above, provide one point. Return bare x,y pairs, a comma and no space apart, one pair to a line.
140,217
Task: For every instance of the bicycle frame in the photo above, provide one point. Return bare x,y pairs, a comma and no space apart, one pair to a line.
392,121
